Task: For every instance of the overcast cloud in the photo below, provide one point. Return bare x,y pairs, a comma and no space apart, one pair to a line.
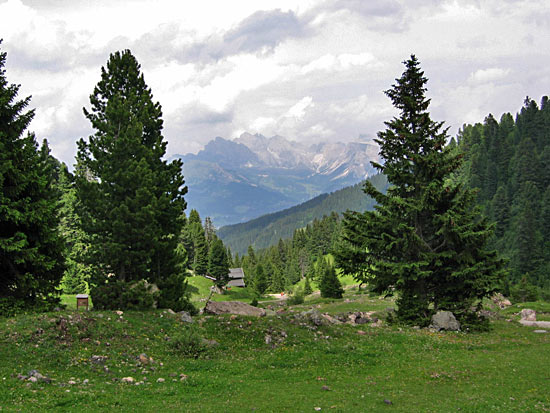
307,70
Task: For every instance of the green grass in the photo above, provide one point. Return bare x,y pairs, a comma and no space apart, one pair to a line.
506,369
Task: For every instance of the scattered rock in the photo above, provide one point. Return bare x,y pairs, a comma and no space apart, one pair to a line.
268,339
98,359
540,331
143,359
270,313
118,312
317,409
325,388
160,380
362,320
233,307
313,316
170,311
330,319
528,315
128,379
85,382
33,379
445,320
71,382
361,332
185,317
541,324
183,377
210,343
387,401
501,301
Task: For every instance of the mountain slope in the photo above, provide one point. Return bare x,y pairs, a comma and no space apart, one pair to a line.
268,229
235,181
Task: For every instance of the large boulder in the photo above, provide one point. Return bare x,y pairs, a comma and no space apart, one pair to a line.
445,320
528,315
233,307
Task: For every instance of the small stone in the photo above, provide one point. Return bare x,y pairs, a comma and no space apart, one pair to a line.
387,401
528,315
267,339
33,379
540,331
22,377
71,382
160,380
185,317
361,332
143,358
318,409
170,311
85,382
325,388
183,377
128,379
118,312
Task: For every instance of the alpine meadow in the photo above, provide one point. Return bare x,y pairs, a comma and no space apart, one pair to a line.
406,272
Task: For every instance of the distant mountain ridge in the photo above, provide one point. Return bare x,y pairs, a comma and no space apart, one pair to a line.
235,181
268,229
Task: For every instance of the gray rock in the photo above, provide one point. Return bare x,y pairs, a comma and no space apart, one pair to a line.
540,331
185,317
541,324
361,320
528,315
314,316
210,343
233,307
445,320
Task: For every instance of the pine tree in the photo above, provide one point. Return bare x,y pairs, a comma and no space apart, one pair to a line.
217,263
307,287
131,200
425,240
31,260
330,285
260,279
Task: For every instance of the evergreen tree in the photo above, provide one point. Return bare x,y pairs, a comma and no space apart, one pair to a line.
260,279
31,260
330,285
425,240
307,287
78,274
217,263
131,200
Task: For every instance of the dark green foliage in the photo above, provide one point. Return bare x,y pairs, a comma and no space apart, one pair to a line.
425,240
260,279
297,298
117,294
31,250
174,295
130,199
307,287
77,275
524,291
188,342
518,153
330,284
218,266
199,242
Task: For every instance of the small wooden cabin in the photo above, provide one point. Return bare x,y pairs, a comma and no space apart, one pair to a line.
236,278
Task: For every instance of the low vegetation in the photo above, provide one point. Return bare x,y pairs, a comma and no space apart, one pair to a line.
282,362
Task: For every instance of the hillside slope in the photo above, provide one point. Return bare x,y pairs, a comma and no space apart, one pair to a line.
268,229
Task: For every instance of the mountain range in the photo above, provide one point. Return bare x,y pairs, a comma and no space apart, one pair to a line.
234,181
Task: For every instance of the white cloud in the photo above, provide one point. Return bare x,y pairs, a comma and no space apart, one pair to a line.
298,110
488,75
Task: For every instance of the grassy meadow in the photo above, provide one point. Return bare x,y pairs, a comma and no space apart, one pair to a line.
270,364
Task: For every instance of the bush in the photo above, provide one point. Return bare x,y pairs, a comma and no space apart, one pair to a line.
524,291
11,306
297,297
254,302
174,295
115,295
330,285
188,342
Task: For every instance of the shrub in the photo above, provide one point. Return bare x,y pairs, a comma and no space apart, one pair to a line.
188,342
116,295
297,297
524,291
174,295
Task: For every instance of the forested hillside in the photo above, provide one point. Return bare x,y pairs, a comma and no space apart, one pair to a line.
268,229
509,162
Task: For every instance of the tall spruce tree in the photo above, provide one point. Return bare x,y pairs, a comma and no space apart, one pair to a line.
425,240
217,262
131,200
31,259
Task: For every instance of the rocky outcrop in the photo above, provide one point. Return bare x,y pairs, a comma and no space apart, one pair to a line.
233,307
444,320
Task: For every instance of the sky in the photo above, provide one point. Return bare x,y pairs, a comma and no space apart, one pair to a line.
308,70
